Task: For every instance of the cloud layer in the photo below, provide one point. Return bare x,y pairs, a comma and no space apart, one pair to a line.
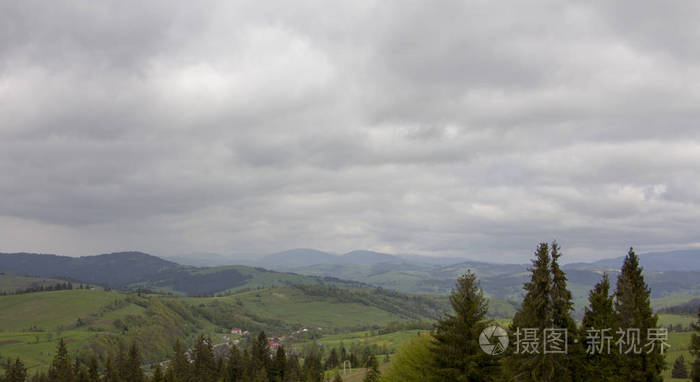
467,128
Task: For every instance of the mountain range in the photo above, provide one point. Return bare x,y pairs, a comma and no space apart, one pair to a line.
672,273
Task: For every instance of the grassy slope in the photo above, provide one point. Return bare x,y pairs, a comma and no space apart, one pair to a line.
11,283
154,319
55,314
679,346
51,310
293,307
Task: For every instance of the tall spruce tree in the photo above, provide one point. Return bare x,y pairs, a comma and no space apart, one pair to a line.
599,320
111,373
93,370
61,369
546,308
259,356
179,367
292,372
535,313
312,370
457,355
633,309
235,369
203,363
132,369
16,371
562,307
158,374
695,351
278,365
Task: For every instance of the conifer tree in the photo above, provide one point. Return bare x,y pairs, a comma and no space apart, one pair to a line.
61,369
680,370
121,362
203,362
457,356
292,372
179,367
234,370
259,356
562,307
158,374
535,313
695,351
312,370
600,361
278,365
132,368
111,374
332,361
372,374
552,354
16,371
633,309
93,370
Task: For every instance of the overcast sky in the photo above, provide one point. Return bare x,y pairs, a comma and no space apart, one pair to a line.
471,128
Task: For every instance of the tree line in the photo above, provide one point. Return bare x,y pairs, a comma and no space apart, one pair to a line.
45,288
452,352
201,363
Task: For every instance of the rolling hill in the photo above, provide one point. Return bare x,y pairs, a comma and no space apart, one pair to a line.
136,270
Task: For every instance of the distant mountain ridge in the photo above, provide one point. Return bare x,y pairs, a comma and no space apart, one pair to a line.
131,270
680,260
668,274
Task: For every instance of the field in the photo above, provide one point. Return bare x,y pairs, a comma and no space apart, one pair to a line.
30,324
51,311
292,306
679,342
391,341
11,283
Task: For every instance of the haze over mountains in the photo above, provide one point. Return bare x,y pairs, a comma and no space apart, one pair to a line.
668,273
678,260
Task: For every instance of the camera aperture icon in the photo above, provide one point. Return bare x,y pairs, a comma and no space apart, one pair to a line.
493,340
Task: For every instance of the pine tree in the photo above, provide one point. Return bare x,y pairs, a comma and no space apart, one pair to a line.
158,374
132,369
599,319
61,369
680,370
535,313
121,362
111,373
457,355
93,370
259,356
179,367
372,374
695,351
312,370
292,372
562,307
203,362
633,309
234,366
278,365
16,372
332,361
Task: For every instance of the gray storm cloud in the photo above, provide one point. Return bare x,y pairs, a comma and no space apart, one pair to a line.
466,128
